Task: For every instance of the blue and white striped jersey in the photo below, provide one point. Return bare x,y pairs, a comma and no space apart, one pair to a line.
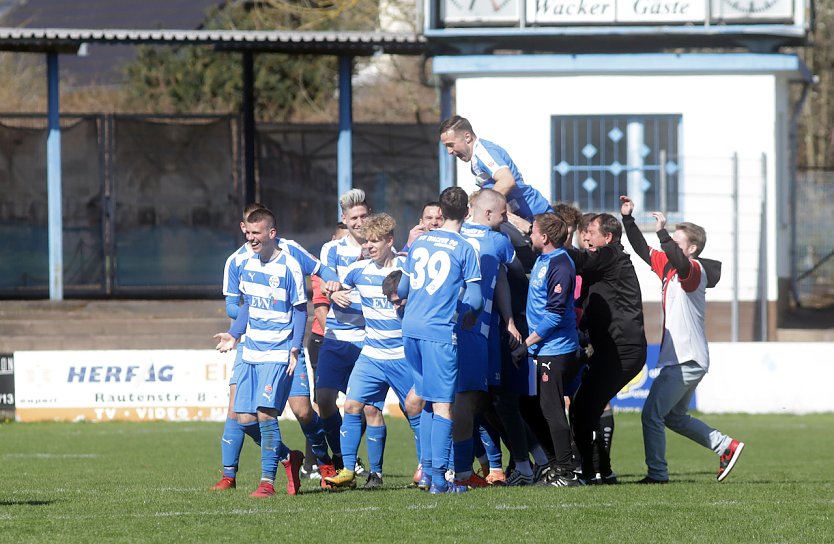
524,200
271,290
494,249
346,324
439,263
383,327
309,264
231,271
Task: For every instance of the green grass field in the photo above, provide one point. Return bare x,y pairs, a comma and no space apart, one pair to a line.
148,482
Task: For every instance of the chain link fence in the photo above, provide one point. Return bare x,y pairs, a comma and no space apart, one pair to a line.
151,204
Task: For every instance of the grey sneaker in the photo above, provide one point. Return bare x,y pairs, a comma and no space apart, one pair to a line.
374,481
518,479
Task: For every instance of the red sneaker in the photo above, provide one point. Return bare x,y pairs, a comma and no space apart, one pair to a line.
728,459
326,471
265,489
224,483
293,467
474,481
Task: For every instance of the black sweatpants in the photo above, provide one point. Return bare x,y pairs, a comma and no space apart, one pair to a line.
554,371
610,368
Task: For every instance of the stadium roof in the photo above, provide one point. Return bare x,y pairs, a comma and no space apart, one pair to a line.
69,40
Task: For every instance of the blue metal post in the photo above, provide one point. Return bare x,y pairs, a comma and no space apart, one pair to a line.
344,171
53,181
445,162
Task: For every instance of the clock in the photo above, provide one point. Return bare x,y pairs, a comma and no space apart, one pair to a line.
480,12
752,9
751,6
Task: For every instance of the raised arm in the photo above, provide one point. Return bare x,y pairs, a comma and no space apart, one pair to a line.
635,237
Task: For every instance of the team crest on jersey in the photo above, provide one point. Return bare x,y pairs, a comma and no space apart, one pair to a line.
558,288
275,282
268,389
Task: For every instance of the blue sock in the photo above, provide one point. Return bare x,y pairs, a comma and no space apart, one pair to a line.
331,429
414,421
230,445
491,440
426,424
441,444
314,431
375,439
463,458
450,461
253,430
352,429
271,448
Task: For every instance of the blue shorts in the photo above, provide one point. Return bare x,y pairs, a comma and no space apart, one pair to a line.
371,378
473,362
300,378
237,365
262,385
494,357
435,367
336,360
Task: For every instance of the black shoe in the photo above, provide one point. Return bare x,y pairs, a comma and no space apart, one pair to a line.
374,481
608,479
649,480
562,478
540,474
338,464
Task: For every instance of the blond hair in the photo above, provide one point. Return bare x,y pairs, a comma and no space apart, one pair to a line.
378,227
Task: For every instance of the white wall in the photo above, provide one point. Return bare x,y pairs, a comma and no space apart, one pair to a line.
768,378
721,115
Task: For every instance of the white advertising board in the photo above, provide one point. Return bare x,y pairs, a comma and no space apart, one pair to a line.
129,385
172,385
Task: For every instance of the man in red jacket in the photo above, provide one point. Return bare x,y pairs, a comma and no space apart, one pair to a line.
684,355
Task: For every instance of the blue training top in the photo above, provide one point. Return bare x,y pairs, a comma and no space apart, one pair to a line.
550,307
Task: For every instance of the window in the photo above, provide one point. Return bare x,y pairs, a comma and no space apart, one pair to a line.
597,158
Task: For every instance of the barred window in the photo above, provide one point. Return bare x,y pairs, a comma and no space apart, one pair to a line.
597,158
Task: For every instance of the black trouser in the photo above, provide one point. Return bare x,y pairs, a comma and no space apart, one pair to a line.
554,371
609,369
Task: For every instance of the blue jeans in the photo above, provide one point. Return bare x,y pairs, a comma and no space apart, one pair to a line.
667,406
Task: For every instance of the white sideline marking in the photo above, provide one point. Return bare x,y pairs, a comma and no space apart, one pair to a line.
421,506
51,455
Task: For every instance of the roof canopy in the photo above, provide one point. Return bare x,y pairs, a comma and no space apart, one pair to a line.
69,40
